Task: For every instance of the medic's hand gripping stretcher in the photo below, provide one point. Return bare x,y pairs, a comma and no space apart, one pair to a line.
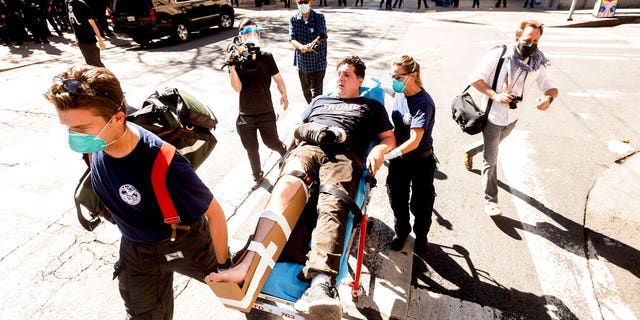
273,286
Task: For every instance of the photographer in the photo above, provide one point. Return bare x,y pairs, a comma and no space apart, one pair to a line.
251,71
524,66
307,35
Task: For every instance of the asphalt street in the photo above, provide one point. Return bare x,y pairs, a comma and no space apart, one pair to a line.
566,248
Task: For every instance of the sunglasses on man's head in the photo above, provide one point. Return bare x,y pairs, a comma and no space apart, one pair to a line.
81,88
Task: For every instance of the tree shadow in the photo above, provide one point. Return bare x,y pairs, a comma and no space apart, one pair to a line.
479,287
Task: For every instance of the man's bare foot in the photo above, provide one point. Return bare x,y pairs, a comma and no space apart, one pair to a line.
236,274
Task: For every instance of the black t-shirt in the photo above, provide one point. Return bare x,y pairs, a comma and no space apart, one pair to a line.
255,96
79,15
362,118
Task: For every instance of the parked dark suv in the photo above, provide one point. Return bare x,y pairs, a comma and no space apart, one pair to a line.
144,20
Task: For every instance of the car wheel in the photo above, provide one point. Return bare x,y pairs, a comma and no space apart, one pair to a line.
226,20
182,31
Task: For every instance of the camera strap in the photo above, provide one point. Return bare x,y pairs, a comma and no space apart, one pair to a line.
495,78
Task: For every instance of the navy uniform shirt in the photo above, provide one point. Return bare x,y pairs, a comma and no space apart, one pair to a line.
124,186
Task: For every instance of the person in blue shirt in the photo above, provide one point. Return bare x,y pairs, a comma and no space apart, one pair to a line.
412,163
90,103
307,35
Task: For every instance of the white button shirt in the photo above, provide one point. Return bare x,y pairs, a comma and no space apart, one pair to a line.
519,82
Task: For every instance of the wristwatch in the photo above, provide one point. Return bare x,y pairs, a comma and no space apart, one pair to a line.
550,98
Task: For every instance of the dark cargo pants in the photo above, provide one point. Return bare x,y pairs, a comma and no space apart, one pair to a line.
145,271
327,239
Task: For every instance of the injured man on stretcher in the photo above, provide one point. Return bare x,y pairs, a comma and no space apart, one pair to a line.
335,135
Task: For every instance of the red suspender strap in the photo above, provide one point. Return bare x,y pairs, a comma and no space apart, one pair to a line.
159,182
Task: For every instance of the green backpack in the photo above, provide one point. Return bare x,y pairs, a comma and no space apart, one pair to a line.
178,118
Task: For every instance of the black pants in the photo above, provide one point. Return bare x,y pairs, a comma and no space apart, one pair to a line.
91,54
311,83
145,271
411,176
476,4
425,4
248,127
398,3
504,3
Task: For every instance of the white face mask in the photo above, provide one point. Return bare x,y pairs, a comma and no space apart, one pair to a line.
304,8
254,41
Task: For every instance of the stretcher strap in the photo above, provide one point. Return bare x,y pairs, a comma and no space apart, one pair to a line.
345,198
266,261
280,220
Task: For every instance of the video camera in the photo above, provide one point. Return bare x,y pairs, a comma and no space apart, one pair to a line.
315,44
241,54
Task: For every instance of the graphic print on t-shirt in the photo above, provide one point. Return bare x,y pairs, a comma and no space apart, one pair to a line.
130,194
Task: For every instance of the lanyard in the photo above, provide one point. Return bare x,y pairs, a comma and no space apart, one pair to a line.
515,81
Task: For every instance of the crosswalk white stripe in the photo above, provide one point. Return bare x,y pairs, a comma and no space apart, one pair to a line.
562,274
593,57
600,45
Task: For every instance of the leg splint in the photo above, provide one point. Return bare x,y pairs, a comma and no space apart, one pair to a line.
283,283
267,251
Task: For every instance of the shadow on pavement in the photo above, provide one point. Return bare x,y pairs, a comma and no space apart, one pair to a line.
378,235
479,287
572,236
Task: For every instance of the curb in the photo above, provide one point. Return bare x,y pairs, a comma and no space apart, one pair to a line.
610,235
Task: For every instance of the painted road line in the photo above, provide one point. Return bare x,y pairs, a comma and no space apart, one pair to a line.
561,267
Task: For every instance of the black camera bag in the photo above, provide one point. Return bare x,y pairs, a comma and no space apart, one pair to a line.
466,113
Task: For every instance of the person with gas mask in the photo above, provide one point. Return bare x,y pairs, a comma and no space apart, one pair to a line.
308,36
524,65
252,79
412,163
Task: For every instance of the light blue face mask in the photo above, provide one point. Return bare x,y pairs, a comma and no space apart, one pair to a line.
398,85
304,8
89,143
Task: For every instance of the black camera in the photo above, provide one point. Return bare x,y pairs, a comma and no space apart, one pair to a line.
315,44
514,102
241,54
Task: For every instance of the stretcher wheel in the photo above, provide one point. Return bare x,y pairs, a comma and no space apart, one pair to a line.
357,293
